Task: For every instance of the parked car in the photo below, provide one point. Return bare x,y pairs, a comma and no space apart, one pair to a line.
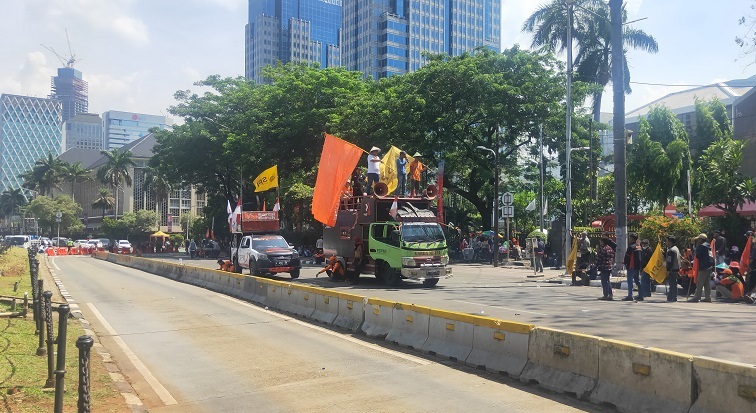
105,243
18,240
60,242
95,243
124,245
81,242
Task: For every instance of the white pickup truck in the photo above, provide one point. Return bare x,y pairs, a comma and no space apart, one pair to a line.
263,254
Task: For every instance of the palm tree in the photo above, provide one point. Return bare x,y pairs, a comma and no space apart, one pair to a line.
158,185
11,199
104,201
116,171
45,175
74,173
592,38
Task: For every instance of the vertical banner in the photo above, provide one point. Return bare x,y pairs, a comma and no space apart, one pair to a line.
440,198
337,161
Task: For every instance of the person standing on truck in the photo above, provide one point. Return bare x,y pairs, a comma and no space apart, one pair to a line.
401,173
416,168
373,168
334,269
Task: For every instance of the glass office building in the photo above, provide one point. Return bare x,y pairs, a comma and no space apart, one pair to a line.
71,90
303,31
30,129
121,128
387,37
83,131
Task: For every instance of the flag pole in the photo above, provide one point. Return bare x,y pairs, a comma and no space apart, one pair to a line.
241,196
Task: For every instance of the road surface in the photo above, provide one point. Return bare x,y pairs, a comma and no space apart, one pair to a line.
187,349
508,294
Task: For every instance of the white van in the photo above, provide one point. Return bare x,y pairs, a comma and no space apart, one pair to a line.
18,240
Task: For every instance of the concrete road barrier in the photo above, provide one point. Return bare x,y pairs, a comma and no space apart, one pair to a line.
409,325
562,362
326,305
274,292
378,318
499,346
724,386
249,287
351,312
297,300
641,379
450,334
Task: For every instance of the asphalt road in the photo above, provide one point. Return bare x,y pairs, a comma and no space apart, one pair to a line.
187,349
718,329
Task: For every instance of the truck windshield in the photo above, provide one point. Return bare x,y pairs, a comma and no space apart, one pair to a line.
269,242
422,232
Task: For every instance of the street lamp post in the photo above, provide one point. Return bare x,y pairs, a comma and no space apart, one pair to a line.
568,166
495,199
568,212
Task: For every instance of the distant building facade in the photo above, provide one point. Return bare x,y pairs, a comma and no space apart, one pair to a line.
83,131
72,91
122,128
302,31
30,129
381,38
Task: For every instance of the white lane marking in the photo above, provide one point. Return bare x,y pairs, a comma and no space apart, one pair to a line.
54,264
376,347
151,380
503,308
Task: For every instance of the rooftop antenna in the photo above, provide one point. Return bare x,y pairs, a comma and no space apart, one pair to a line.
67,61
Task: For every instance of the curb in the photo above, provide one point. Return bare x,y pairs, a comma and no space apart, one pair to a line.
122,385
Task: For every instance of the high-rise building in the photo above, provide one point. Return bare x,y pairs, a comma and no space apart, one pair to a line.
302,31
381,38
121,128
83,131
71,90
30,129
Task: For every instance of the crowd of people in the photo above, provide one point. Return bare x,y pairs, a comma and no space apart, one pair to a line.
707,271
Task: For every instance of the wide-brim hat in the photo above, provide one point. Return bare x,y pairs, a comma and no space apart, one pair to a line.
722,266
735,264
375,148
417,155
702,237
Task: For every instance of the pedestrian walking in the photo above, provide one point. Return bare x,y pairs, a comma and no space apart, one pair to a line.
604,260
672,261
401,173
705,269
540,249
633,265
373,168
645,279
192,249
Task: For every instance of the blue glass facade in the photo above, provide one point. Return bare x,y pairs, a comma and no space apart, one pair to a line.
292,31
121,128
30,129
386,37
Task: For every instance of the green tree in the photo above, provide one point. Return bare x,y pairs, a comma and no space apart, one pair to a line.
722,183
659,160
75,173
10,200
159,186
115,171
104,200
591,37
132,225
45,175
45,208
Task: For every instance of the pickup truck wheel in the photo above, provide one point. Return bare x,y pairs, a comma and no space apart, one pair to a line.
430,282
390,276
294,273
253,270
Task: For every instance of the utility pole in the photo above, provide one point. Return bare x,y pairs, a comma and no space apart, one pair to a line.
620,173
496,202
540,185
568,162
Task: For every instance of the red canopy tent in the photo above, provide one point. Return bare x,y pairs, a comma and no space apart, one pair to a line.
748,209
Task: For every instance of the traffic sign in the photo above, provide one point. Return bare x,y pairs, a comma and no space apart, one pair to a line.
507,211
59,215
507,198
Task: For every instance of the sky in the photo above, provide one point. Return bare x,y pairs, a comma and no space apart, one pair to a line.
136,54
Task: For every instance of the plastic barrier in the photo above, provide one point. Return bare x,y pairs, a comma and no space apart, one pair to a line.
724,386
409,326
351,314
642,379
450,334
50,251
500,346
326,305
62,251
378,318
562,362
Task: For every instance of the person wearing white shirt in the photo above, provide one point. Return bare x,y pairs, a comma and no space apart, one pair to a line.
373,168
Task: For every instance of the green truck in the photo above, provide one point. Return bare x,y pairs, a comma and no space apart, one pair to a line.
401,242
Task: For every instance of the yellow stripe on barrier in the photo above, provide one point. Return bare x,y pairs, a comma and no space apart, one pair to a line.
493,323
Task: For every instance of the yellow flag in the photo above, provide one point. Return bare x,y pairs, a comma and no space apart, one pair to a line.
572,257
388,168
267,179
656,266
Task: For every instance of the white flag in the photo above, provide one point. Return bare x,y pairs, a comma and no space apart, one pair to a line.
394,211
545,207
531,206
277,206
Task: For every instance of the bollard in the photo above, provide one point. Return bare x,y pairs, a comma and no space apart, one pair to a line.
60,370
84,343
38,307
50,350
13,304
25,308
15,286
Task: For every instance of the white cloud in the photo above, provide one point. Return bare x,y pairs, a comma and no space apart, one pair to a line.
633,7
513,14
132,29
31,78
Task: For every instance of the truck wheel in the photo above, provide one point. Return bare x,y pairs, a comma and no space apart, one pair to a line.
294,273
430,282
253,270
237,268
390,276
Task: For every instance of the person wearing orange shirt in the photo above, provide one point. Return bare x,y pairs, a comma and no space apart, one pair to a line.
416,168
226,265
334,270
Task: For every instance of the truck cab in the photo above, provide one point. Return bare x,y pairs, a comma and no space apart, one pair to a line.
256,246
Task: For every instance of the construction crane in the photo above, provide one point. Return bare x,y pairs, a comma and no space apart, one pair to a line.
67,61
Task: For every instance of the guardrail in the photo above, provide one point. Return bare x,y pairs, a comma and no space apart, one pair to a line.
631,377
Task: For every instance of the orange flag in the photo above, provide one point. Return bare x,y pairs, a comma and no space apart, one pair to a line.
337,161
745,259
